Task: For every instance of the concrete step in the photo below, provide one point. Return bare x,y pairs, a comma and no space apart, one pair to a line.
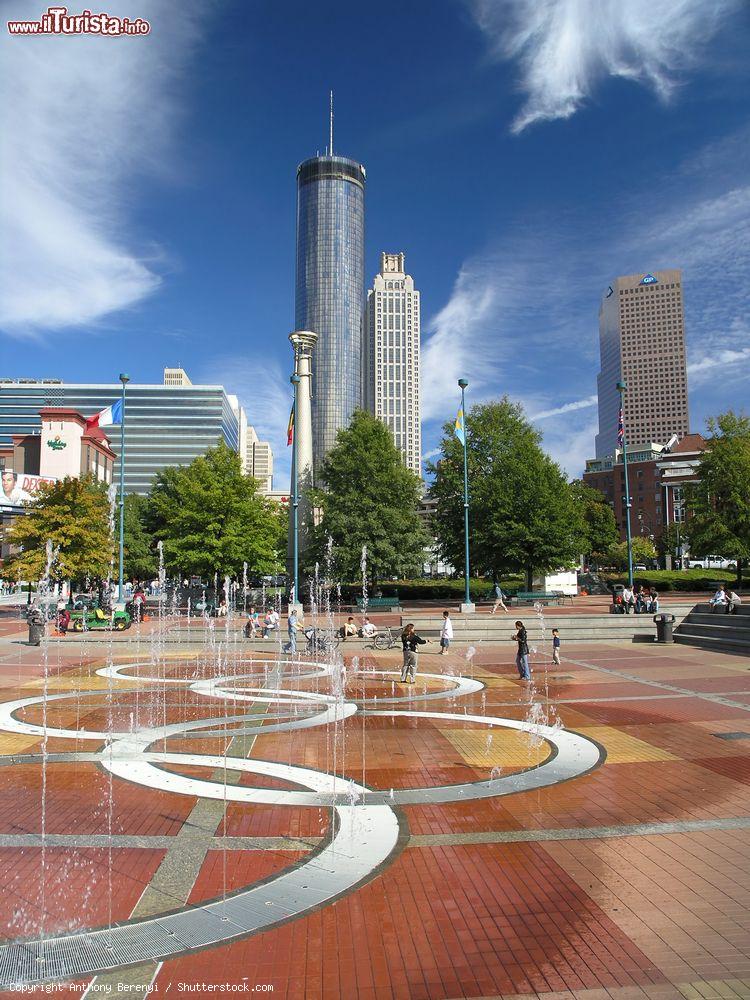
721,643
739,622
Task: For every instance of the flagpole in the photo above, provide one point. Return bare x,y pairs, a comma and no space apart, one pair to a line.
120,594
467,606
621,387
295,380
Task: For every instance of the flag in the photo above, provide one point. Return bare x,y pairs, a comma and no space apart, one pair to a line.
458,427
620,431
112,415
290,428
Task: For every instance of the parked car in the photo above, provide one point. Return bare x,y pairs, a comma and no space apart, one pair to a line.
711,562
641,568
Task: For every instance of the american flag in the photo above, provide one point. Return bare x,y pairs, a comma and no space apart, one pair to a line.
620,430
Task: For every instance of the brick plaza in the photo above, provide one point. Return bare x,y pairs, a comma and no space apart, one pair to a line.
627,880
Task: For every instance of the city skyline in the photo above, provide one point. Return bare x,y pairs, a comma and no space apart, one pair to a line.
517,189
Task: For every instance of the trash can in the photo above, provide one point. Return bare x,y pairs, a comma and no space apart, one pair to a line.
664,622
35,620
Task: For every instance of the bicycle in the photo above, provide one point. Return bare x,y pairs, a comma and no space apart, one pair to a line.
321,642
385,640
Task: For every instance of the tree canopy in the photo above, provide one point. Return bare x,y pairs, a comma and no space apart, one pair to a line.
72,514
141,561
720,501
369,499
600,527
211,518
523,514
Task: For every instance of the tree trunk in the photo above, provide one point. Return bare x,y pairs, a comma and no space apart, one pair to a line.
739,573
529,578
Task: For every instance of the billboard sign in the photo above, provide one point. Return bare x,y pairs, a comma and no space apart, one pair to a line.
18,488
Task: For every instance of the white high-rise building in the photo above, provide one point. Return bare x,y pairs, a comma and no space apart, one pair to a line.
391,352
259,460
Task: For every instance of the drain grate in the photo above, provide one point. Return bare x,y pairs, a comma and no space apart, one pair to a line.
732,736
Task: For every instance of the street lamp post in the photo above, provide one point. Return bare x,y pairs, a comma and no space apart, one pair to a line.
120,590
467,606
295,380
621,387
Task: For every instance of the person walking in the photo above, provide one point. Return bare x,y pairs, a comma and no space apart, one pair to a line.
499,599
555,646
410,640
446,633
522,656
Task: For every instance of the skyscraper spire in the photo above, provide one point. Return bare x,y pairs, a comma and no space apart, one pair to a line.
330,127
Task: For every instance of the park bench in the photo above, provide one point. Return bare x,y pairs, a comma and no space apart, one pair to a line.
528,597
379,603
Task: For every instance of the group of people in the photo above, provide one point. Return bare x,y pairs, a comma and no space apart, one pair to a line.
728,602
254,626
350,629
640,600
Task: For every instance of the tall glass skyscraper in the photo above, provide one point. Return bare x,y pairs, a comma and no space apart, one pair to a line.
329,295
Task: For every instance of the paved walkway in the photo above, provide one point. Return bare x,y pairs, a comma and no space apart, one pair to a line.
608,865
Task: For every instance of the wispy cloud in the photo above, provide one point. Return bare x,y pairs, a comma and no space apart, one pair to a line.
579,404
83,118
564,48
729,361
264,390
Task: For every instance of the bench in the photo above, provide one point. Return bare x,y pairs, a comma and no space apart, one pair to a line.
527,597
379,603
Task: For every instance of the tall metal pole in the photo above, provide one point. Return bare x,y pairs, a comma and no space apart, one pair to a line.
621,387
120,590
467,596
295,380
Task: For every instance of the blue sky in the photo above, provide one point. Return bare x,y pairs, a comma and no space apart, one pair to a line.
521,154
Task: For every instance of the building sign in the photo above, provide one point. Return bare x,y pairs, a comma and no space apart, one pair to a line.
56,443
648,279
19,488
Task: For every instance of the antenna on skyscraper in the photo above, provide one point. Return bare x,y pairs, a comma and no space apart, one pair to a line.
330,128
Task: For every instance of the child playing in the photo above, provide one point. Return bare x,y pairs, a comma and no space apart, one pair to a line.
555,646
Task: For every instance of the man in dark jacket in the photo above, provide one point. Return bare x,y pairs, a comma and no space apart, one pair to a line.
522,656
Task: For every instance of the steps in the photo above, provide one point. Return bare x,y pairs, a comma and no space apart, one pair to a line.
572,628
716,630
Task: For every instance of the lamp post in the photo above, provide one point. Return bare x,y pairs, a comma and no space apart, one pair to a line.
467,606
295,380
621,387
120,592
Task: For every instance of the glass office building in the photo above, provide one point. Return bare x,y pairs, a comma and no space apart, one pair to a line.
329,295
164,424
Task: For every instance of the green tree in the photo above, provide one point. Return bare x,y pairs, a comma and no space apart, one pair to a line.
74,515
370,499
644,551
673,537
523,514
720,501
211,518
600,528
141,562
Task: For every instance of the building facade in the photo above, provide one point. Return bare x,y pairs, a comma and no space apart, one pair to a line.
329,289
259,461
642,342
164,424
391,357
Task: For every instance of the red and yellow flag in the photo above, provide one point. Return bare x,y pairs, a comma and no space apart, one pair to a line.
290,428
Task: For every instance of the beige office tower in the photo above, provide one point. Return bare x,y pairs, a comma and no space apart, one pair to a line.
259,460
642,342
391,353
176,377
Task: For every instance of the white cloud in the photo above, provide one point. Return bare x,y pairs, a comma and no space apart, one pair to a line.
264,391
570,443
566,47
729,361
83,118
579,404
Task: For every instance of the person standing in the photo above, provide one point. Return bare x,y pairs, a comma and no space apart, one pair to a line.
499,599
522,656
410,640
555,646
446,633
292,624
